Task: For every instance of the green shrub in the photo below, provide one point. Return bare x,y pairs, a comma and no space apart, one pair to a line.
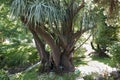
3,75
115,51
88,77
53,76
33,75
80,52
13,55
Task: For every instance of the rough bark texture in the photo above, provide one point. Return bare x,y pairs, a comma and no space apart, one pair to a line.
61,41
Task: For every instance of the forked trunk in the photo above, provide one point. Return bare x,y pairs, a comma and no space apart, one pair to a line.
67,64
61,39
49,60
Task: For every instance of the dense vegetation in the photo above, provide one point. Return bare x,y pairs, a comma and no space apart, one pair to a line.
51,33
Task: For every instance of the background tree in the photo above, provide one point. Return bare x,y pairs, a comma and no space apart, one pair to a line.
107,25
111,10
105,35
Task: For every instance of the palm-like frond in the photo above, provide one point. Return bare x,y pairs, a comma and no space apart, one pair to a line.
18,7
88,20
38,10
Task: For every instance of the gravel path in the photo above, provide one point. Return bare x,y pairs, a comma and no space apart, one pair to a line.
94,67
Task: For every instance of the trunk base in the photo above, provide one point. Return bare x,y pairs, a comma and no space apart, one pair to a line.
66,66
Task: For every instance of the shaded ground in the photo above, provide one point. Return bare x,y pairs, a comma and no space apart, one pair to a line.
95,67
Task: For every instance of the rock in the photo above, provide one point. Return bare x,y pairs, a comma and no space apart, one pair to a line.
115,75
99,78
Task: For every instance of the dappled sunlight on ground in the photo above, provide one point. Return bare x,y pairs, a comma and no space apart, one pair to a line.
87,45
92,65
95,67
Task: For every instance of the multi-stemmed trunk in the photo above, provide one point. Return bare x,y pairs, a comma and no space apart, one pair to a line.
62,46
61,40
60,57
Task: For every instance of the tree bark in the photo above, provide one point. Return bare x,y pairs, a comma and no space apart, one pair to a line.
60,57
67,64
55,49
44,56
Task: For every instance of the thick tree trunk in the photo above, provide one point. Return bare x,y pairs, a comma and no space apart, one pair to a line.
50,62
67,64
44,56
59,59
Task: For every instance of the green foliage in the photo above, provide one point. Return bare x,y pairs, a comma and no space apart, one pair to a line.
105,35
3,75
33,75
111,10
30,76
103,60
16,47
38,11
88,77
115,51
18,76
20,52
52,76
97,77
25,75
17,55
79,56
80,52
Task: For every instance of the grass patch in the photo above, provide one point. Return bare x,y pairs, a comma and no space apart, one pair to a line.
79,61
33,75
107,61
53,76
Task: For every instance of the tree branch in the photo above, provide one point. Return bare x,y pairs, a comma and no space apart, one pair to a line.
40,46
61,37
78,8
33,66
46,37
71,3
83,43
40,30
93,47
80,32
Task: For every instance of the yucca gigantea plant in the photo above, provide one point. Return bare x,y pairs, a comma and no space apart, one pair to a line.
57,24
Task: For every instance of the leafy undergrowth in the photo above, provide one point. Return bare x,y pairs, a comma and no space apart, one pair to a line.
79,61
33,75
103,60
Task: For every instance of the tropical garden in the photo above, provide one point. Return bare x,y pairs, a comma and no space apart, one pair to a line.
44,39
